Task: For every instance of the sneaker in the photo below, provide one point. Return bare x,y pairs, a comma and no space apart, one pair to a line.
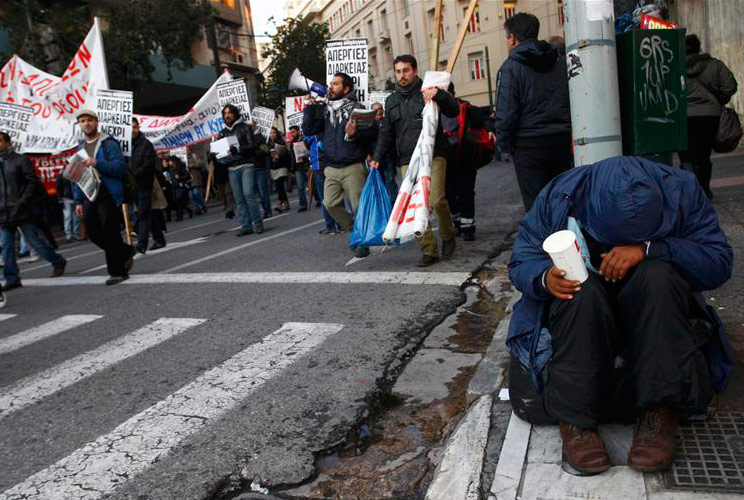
244,232
229,214
327,231
361,252
34,258
156,246
258,229
427,260
3,300
584,453
59,271
12,286
115,280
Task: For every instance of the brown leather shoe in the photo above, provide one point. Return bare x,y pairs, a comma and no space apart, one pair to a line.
654,442
584,453
448,248
427,260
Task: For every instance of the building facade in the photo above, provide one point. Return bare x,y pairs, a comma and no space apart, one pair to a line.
394,27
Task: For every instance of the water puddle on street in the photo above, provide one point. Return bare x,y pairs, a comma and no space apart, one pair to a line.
392,454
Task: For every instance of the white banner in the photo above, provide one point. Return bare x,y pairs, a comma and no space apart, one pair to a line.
293,110
349,56
201,123
114,108
235,93
15,120
55,100
377,96
264,118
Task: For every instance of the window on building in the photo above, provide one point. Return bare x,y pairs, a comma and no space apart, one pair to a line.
358,4
474,25
383,20
351,6
406,8
409,43
510,8
441,26
330,24
370,30
358,31
561,14
476,66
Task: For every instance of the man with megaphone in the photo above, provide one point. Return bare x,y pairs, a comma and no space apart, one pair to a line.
345,147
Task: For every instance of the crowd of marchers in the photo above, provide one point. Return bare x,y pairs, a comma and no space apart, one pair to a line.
635,340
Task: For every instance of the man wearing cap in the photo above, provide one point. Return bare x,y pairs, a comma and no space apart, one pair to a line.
103,216
636,339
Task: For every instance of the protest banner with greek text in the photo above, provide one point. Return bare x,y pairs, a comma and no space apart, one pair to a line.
15,120
235,92
201,123
293,109
377,96
349,56
56,100
114,108
264,119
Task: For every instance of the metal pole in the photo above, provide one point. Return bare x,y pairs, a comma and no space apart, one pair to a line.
488,75
592,80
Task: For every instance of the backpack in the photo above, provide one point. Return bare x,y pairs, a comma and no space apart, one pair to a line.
729,132
472,133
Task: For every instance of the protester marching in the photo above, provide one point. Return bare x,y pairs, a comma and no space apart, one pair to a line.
616,243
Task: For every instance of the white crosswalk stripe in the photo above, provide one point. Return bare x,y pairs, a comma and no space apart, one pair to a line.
98,468
44,331
3,317
33,389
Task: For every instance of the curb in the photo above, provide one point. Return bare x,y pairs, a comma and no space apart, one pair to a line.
458,476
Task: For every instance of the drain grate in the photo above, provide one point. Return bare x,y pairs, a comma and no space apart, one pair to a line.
710,455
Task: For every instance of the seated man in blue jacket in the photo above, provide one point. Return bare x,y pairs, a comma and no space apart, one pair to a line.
636,337
103,216
345,147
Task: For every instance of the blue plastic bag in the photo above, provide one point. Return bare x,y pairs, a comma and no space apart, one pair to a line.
372,214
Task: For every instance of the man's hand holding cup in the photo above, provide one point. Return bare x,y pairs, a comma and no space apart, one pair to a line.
559,286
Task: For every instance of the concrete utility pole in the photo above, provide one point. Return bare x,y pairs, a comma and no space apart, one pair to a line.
592,80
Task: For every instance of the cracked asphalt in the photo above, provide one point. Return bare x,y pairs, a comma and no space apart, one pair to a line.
269,434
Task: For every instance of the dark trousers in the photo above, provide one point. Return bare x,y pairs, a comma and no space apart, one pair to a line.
536,165
281,192
460,186
147,221
226,194
701,131
643,321
103,220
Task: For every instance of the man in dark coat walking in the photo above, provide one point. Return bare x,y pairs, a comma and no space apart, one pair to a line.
710,86
20,191
636,336
143,163
533,117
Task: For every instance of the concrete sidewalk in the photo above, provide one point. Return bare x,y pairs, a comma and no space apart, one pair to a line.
494,455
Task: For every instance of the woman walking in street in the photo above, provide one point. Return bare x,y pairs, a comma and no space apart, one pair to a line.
279,167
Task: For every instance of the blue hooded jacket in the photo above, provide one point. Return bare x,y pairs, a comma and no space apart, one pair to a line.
620,201
112,166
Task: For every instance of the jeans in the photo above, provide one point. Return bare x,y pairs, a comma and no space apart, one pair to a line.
261,180
301,178
241,182
7,242
197,199
147,222
71,221
319,179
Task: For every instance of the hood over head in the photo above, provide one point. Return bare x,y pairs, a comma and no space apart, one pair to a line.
539,55
624,202
696,64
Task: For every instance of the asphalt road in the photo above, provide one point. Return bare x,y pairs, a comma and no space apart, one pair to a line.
221,356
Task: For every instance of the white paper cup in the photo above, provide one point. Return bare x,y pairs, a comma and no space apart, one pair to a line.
565,254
